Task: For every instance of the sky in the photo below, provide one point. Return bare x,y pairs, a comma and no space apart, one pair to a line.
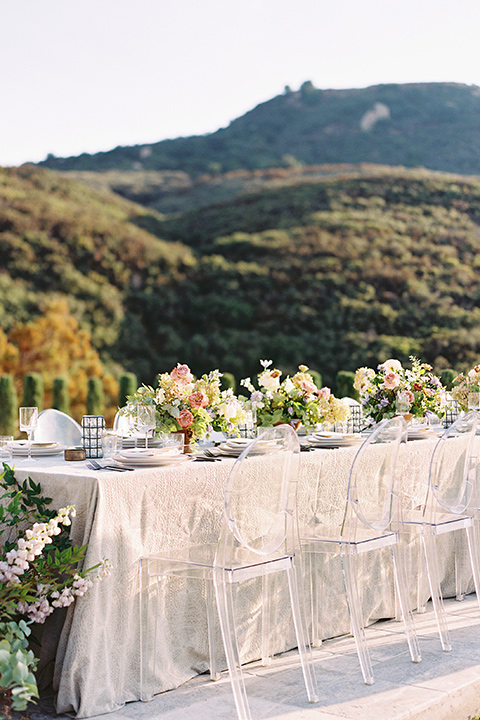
89,75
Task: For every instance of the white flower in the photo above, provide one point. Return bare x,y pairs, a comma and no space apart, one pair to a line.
288,385
265,363
270,380
391,365
160,396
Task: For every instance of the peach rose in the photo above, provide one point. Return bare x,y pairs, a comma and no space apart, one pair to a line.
198,399
185,419
307,386
409,396
324,393
392,380
181,374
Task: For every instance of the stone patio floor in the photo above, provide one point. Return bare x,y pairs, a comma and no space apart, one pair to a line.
444,686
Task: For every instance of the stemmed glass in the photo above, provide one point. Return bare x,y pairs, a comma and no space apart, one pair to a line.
146,419
28,417
132,422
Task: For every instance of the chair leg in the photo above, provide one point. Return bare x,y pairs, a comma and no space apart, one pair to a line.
147,638
316,599
474,559
298,612
349,566
459,594
404,601
268,581
435,590
211,617
224,596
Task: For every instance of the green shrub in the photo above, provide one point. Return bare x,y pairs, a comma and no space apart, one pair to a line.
95,397
345,380
128,386
61,399
8,406
316,377
33,391
447,377
228,381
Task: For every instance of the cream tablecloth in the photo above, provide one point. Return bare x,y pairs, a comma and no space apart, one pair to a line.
123,515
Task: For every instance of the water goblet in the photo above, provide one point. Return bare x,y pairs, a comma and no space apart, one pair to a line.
6,442
28,417
146,419
402,405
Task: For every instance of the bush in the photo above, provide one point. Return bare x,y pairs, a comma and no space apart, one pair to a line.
447,377
61,399
128,386
316,377
345,380
8,406
33,391
228,381
95,396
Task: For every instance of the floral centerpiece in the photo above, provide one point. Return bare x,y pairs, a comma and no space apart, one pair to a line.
185,404
294,400
380,390
465,385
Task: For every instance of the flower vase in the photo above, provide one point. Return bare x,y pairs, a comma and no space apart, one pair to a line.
187,448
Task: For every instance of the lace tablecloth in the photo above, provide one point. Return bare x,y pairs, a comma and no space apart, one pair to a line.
124,515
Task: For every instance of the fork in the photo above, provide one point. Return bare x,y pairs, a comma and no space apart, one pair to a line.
94,465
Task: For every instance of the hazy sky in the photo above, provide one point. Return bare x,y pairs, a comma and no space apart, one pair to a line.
88,75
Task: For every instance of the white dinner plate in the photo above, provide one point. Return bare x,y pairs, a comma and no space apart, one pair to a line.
20,447
334,440
153,460
145,453
129,442
262,447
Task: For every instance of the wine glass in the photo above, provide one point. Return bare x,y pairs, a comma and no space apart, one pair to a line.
28,417
402,405
146,419
132,422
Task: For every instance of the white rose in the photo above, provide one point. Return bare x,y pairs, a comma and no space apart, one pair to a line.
392,365
270,380
288,385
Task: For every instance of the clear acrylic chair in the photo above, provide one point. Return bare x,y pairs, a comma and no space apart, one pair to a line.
446,506
258,537
371,521
56,426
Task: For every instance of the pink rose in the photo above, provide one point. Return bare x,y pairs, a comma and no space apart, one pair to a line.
181,374
409,396
307,386
198,399
324,393
185,419
392,380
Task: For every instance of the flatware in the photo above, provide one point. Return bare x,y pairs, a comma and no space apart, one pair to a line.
94,465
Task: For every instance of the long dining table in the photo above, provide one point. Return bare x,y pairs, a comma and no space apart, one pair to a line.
123,515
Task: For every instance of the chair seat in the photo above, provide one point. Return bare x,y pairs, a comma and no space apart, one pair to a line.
196,560
443,523
364,540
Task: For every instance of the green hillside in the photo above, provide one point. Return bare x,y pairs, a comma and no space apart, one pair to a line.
335,272
433,125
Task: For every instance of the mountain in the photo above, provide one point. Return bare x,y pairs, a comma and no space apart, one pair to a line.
433,125
334,272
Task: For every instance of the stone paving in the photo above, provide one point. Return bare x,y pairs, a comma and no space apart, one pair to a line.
445,686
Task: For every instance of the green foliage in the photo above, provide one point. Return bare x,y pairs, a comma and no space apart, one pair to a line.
8,406
44,581
61,398
345,380
33,391
17,663
127,386
447,377
95,396
228,381
316,377
434,125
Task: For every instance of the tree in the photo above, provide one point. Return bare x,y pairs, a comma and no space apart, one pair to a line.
8,406
33,390
95,396
60,396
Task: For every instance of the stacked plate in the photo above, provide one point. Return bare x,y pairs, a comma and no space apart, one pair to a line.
154,457
334,440
129,442
235,446
20,447
420,432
